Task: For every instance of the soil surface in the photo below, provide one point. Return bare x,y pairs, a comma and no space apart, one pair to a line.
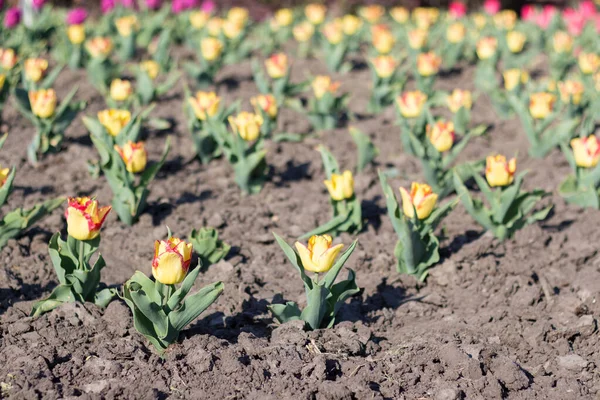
515,320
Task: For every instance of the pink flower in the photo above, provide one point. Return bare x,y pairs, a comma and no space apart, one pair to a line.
492,6
76,16
182,5
587,7
546,16
457,9
107,6
153,4
208,6
37,4
12,17
528,12
574,20
129,3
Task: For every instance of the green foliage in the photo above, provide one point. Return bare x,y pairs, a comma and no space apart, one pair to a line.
207,245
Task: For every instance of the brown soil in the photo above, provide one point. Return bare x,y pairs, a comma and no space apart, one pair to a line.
515,320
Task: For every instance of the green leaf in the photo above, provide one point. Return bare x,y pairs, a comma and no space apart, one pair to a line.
332,274
184,289
366,149
294,258
285,312
60,295
316,309
330,164
194,305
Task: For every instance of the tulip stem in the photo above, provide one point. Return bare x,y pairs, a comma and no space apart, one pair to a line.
81,248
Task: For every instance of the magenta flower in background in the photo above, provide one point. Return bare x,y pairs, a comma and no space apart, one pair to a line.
107,5
182,5
208,6
1,4
37,4
153,4
12,17
76,16
492,7
129,3
457,9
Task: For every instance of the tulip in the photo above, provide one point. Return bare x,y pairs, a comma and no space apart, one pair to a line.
571,91
411,103
12,17
150,67
232,29
322,84
214,26
428,64
457,9
505,19
198,19
284,17
85,217
319,255
459,98
247,125
76,34
134,156
586,151
211,48
266,103
515,40
120,89
304,31
498,171
417,38
588,62
425,16
562,42
491,7
333,31
541,104
340,186
107,5
43,102
171,262
399,14
480,20
315,13
238,15
421,198
513,77
456,32
277,65
8,59
441,135
127,25
153,4
385,66
76,16
351,24
486,47
35,69
383,39
371,13
4,172
2,81
205,104
114,120
99,47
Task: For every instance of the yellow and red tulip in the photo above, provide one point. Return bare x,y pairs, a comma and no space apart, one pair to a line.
441,135
428,64
134,156
211,48
515,41
266,103
171,262
333,31
383,39
421,198
315,13
351,24
43,102
319,255
541,104
304,31
456,32
588,62
238,15
371,13
340,186
4,172
150,67
247,125
562,42
514,77
486,47
8,59
120,89
480,20
459,98
35,69
99,46
424,17
586,151
499,171
384,66
505,19
411,103
417,38
114,120
232,29
204,104
214,26
85,217
283,17
323,84
400,14
76,33
277,65
127,25
571,91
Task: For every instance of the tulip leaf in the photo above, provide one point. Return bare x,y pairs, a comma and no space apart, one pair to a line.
473,207
152,311
340,292
51,77
151,171
184,289
507,198
194,305
316,307
366,149
332,274
294,259
3,140
60,295
439,214
285,312
6,188
330,164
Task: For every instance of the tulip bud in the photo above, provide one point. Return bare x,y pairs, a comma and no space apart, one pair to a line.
411,103
205,104
265,103
114,120
76,34
424,17
498,171
134,156
486,47
4,172
232,29
247,125
492,7
421,198
515,41
383,39
85,218
588,62
284,17
562,42
303,32
214,26
385,66
322,84
351,24
76,16
43,102
277,65
198,19
586,151
541,104
505,19
8,59
127,25
238,15
35,69
150,67
417,38
459,98
315,13
99,47
441,135
399,14
371,13
334,31
480,20
340,186
456,32
571,91
513,77
319,256
172,258
120,89
12,17
428,64
211,48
